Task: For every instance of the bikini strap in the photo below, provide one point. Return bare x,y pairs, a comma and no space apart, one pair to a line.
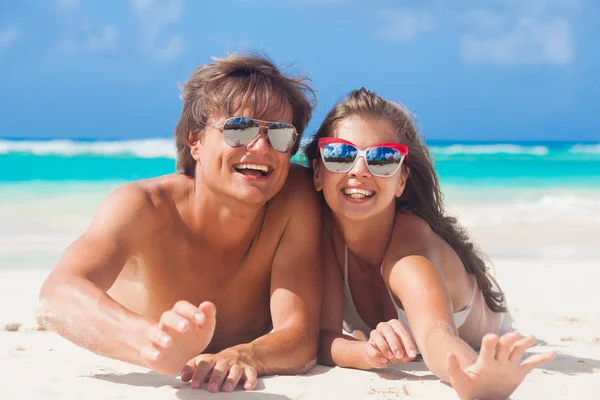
474,290
346,264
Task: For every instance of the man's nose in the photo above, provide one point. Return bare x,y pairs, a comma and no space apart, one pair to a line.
260,142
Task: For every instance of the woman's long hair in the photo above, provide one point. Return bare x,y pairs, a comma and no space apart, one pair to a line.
422,195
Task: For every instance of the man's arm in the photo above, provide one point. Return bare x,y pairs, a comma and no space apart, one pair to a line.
295,301
295,289
73,300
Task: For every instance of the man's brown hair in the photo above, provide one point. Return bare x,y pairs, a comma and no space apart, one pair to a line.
229,84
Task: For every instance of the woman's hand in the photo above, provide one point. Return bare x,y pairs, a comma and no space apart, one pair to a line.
390,342
498,370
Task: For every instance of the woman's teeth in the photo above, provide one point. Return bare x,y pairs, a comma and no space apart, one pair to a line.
357,193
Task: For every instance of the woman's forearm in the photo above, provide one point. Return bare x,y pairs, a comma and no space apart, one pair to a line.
337,349
439,342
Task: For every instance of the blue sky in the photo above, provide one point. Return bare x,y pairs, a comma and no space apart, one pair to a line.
488,70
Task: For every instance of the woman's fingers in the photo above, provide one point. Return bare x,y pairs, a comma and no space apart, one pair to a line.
393,340
375,358
380,343
460,381
505,345
488,347
537,360
410,349
519,348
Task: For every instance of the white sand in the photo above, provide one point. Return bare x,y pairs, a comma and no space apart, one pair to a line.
555,300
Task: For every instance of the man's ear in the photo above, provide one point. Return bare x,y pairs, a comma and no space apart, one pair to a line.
404,173
193,142
317,180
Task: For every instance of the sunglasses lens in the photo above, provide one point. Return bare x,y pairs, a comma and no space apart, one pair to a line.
240,131
282,136
338,157
383,161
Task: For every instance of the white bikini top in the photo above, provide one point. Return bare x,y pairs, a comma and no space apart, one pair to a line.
353,321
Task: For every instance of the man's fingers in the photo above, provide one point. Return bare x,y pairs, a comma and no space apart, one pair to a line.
186,373
208,309
488,347
159,338
505,345
150,353
250,376
186,310
377,340
537,360
218,374
174,321
519,349
235,373
393,340
203,368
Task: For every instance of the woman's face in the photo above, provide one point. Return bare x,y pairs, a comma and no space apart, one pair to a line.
358,194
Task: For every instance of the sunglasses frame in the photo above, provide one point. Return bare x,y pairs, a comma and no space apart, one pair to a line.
322,142
290,146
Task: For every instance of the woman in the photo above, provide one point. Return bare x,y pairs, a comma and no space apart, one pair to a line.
396,268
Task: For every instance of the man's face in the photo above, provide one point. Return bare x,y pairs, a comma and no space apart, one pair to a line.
253,173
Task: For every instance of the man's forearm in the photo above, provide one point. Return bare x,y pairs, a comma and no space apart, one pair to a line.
341,350
285,351
82,313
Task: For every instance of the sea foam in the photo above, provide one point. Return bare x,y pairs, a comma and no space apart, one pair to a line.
143,148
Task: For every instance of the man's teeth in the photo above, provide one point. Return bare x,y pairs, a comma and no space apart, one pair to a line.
258,167
358,193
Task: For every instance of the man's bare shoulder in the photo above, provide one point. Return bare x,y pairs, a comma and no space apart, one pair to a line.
298,187
145,204
297,198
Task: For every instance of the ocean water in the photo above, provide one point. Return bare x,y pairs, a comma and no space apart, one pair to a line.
527,198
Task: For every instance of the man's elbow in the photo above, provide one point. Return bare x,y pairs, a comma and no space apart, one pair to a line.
306,356
46,310
307,366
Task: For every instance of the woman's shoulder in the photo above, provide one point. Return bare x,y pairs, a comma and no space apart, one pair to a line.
409,228
412,235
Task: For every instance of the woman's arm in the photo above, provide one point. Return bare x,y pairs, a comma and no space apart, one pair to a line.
335,348
420,287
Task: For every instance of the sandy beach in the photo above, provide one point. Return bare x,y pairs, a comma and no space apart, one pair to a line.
552,299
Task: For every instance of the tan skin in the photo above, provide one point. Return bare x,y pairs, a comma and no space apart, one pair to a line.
424,274
161,256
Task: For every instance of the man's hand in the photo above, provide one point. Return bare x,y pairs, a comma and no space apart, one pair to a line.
498,370
183,332
222,371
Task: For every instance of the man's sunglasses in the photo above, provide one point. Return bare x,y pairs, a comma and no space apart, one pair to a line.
241,131
383,159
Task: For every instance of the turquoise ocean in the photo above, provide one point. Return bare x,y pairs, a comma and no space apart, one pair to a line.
49,189
526,164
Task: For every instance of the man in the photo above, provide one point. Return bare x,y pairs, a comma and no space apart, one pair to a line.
236,231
